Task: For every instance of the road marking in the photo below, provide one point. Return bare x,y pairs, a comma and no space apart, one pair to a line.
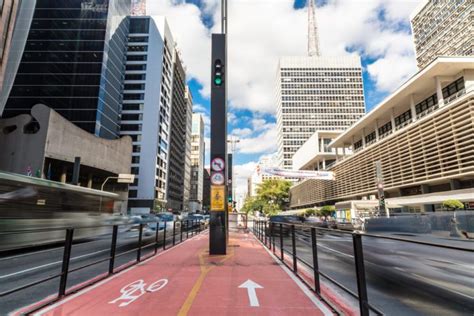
251,286
50,264
205,269
90,288
323,308
336,251
129,290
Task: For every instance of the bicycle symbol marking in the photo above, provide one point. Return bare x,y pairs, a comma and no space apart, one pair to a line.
133,291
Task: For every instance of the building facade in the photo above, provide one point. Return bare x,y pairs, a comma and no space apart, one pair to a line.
72,60
187,161
422,136
259,175
177,143
146,109
316,94
443,28
8,14
197,163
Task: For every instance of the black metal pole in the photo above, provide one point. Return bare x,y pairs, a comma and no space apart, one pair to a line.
360,273
293,244
157,236
164,236
113,248
281,243
265,233
273,236
314,245
140,236
66,260
174,231
181,232
187,229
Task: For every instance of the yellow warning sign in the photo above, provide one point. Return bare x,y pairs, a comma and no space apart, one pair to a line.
217,198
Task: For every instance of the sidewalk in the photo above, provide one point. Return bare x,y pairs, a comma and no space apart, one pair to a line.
185,280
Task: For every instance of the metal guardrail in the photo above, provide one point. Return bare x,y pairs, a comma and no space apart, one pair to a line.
265,231
191,228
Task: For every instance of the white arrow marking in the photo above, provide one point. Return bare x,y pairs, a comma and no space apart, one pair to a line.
251,286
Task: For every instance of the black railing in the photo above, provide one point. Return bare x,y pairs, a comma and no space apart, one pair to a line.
267,236
192,228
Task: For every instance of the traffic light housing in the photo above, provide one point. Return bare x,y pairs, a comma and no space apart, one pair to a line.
229,199
218,73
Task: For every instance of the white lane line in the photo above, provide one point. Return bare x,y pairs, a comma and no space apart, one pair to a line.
90,288
322,307
336,251
50,264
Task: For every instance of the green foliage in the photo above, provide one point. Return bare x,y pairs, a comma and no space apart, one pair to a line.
326,210
272,197
310,212
453,204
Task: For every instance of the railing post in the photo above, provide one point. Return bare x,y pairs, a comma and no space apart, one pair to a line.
140,236
273,235
281,242
187,229
157,236
164,236
360,273
293,244
265,232
314,245
270,229
66,260
181,232
174,231
113,248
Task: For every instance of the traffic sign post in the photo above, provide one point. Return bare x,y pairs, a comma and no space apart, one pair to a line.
218,218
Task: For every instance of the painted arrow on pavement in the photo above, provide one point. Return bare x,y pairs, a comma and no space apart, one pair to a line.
251,286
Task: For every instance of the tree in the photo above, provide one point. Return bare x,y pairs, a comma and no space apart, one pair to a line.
252,205
310,212
326,210
275,192
453,205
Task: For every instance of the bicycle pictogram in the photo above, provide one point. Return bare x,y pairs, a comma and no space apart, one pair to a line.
133,291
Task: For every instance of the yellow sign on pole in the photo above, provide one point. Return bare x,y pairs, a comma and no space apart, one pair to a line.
217,198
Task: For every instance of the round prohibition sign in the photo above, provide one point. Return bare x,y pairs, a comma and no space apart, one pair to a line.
217,164
217,178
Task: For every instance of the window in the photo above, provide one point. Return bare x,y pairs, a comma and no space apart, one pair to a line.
133,107
133,96
136,137
136,86
369,138
138,39
132,193
425,104
135,67
403,118
135,170
137,48
358,144
132,117
139,25
135,76
135,159
136,57
453,88
387,127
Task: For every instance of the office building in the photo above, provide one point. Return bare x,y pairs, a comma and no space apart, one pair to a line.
146,109
8,14
422,134
72,60
443,28
197,163
259,175
187,161
316,94
177,143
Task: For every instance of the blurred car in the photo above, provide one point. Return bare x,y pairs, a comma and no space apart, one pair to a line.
317,222
286,220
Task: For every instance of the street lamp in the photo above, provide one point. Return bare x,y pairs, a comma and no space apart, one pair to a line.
122,178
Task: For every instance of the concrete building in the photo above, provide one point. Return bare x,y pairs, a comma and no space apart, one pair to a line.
443,28
146,109
421,134
316,94
187,160
44,144
177,143
197,163
72,63
8,14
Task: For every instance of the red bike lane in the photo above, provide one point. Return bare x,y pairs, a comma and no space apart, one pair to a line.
185,280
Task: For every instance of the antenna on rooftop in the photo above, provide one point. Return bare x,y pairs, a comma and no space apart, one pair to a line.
313,38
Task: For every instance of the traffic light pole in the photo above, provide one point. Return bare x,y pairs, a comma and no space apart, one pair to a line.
219,160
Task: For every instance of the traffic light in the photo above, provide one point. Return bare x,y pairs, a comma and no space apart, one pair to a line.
229,199
218,73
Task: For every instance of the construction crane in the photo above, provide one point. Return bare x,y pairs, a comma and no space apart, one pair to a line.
313,38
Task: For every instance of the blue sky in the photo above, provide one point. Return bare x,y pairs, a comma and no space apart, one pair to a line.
261,31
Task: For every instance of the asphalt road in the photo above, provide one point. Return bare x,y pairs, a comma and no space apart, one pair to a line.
402,278
29,265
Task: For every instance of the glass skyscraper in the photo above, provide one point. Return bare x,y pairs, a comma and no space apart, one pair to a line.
73,62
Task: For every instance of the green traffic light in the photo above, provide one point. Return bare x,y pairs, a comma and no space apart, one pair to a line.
218,81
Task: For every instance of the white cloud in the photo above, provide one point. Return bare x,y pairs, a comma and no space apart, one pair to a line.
242,132
262,31
264,142
241,174
400,70
199,108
